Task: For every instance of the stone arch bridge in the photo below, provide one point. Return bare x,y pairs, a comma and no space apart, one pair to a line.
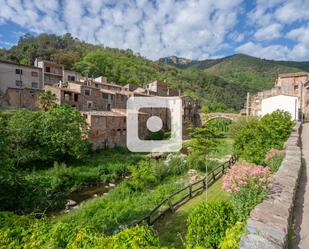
214,115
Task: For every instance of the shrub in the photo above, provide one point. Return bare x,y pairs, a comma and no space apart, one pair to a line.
144,174
251,142
208,223
135,238
278,126
196,161
248,185
26,232
24,127
236,126
232,236
57,134
62,133
257,137
177,165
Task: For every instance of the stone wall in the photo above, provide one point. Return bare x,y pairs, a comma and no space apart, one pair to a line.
269,223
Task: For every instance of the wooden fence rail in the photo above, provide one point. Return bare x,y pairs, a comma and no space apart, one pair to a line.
178,198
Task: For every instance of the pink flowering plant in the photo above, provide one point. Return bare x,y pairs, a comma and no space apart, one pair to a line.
247,185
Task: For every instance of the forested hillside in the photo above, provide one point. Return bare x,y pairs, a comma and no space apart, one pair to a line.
219,84
246,71
123,66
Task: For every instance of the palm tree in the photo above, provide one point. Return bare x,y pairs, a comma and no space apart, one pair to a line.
47,100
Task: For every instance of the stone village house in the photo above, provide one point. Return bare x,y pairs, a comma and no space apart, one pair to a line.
102,103
287,85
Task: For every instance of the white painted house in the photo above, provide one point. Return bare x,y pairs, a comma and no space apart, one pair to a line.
281,102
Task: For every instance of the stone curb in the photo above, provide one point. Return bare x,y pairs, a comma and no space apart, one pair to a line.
268,224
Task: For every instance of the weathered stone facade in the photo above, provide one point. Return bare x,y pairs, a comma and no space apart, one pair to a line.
13,75
101,102
270,221
105,103
290,84
108,128
20,98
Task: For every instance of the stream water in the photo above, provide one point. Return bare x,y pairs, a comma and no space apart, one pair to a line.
87,193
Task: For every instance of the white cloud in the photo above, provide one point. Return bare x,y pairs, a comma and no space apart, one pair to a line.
196,29
300,34
153,29
292,11
278,11
269,32
278,52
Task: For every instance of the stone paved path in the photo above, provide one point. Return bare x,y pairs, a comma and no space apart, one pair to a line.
301,239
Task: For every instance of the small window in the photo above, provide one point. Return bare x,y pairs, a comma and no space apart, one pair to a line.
105,95
89,104
19,71
47,69
108,107
296,88
112,97
19,83
71,78
34,74
87,92
34,85
75,97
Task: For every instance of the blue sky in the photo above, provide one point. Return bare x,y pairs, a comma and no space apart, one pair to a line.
195,29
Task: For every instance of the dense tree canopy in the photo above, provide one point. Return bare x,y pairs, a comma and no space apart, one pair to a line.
57,134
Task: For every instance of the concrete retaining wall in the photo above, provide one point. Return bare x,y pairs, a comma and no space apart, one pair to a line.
269,223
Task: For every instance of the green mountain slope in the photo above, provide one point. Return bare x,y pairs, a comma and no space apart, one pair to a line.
184,63
246,71
123,66
254,73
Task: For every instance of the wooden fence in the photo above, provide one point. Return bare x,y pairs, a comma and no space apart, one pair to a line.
178,198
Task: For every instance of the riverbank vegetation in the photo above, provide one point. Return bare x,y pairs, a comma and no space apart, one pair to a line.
109,221
49,185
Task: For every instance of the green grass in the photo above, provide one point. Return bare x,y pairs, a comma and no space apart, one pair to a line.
224,149
172,228
98,167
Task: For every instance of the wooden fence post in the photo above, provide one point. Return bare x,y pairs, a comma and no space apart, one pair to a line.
170,204
213,175
190,191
